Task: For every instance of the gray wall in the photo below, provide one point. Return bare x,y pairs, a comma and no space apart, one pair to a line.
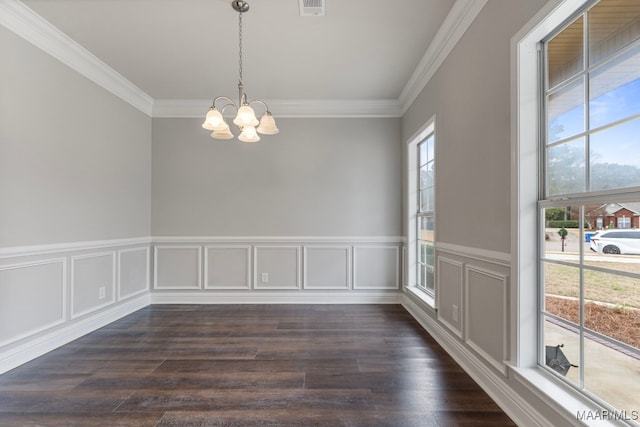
75,176
470,96
75,161
318,177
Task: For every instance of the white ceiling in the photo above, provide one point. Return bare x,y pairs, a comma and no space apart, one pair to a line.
360,51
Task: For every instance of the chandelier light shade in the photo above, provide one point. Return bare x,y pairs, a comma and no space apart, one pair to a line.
245,119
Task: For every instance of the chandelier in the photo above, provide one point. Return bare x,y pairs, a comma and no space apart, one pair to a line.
245,118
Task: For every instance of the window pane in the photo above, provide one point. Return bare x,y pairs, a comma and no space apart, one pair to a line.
565,54
431,255
431,141
426,199
430,284
612,27
613,289
422,275
615,157
425,228
562,240
605,365
424,156
426,175
615,90
559,359
566,168
426,265
427,253
562,291
565,112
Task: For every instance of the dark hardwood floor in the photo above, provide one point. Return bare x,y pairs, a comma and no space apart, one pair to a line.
249,365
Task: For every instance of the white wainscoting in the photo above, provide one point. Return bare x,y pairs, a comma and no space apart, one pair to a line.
486,315
376,267
449,293
177,267
133,272
52,294
33,298
93,282
227,267
476,282
276,269
327,267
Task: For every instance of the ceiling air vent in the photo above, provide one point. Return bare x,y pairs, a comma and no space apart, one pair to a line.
311,7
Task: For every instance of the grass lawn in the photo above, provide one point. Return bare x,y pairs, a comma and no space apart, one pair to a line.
618,290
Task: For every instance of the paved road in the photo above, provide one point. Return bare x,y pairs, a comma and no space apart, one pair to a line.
553,249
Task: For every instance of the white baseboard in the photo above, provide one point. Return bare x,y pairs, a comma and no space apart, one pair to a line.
276,297
492,382
36,347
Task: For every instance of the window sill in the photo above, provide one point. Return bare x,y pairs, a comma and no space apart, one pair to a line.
576,408
422,296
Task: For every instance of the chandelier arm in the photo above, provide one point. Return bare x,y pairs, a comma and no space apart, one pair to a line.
253,101
228,105
225,98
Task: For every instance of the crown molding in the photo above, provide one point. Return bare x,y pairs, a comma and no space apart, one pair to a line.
23,21
462,14
299,108
27,24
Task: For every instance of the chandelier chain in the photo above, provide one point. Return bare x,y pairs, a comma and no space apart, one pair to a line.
240,44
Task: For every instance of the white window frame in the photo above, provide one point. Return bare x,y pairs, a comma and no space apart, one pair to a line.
412,211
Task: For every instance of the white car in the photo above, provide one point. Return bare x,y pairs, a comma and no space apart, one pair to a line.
619,241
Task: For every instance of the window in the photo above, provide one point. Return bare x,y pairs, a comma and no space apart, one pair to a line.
421,240
590,151
426,215
624,222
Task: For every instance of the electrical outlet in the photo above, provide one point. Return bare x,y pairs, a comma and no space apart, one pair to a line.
265,278
454,309
102,292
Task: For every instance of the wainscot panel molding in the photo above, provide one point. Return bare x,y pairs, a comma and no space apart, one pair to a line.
38,344
376,267
177,267
34,298
93,282
276,267
53,294
227,267
55,248
265,264
493,257
493,383
486,315
449,294
327,267
133,272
